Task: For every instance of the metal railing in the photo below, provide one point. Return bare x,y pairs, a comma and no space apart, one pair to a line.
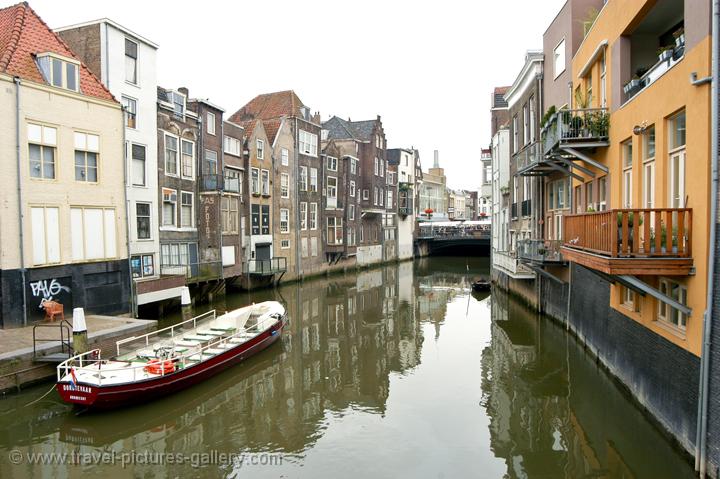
266,266
509,263
540,250
577,125
65,329
193,270
93,357
656,232
529,155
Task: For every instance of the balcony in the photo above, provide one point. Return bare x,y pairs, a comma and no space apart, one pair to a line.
194,272
510,265
266,267
530,161
631,241
211,182
666,60
578,128
540,251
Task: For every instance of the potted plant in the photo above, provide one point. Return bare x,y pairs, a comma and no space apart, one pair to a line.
633,83
631,223
598,123
547,116
679,35
665,53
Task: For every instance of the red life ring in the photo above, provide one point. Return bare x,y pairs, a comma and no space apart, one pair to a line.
155,366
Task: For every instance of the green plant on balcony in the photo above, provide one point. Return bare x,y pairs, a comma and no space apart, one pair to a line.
665,53
631,219
663,237
404,186
583,100
598,123
679,36
548,114
590,209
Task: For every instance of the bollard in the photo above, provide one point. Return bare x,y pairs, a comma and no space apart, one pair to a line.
80,340
185,297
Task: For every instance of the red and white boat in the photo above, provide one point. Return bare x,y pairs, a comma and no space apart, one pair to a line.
170,359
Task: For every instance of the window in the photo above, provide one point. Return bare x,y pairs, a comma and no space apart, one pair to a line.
526,125
559,58
171,155
285,244
137,153
284,156
353,166
169,208
350,236
130,109
229,214
331,192
314,246
649,167
352,188
351,212
131,55
676,143
334,230
142,218
313,179
178,254
627,152
255,181
532,121
187,218
366,195
265,177
332,163
232,145
255,219
381,197
303,215
42,142
303,178
265,209
260,147
603,84
210,119
667,313
211,163
59,72
382,168
284,220
313,215
86,157
308,143
389,202
284,185
629,299
142,266
602,193
93,233
178,101
45,229
188,158
515,133
375,196
589,197
377,166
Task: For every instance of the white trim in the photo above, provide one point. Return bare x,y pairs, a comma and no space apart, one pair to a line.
125,30
593,58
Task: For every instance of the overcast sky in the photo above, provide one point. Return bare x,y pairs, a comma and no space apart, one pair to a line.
426,67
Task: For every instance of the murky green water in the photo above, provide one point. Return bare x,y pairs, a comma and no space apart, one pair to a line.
394,372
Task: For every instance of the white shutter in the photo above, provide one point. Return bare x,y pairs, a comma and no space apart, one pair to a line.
52,237
76,234
110,237
228,255
38,235
94,243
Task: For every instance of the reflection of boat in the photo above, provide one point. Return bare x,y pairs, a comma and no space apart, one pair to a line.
481,285
171,358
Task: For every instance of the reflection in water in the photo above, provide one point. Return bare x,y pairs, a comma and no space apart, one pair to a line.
393,372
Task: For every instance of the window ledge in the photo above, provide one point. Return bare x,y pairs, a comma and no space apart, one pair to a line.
672,329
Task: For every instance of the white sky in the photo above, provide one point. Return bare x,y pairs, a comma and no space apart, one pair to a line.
428,68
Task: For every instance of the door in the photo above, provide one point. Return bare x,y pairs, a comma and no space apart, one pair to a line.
262,257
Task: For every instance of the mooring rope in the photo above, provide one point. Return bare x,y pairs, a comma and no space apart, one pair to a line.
41,397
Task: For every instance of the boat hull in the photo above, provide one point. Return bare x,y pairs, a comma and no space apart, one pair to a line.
121,395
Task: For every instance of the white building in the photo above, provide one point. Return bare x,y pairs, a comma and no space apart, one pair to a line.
500,157
406,161
485,196
126,64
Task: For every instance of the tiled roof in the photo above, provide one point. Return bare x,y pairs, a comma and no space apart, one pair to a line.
339,129
249,126
23,35
270,106
271,128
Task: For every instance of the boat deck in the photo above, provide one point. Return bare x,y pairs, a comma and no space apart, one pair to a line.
184,346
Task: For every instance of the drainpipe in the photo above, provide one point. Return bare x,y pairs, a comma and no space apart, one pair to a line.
298,257
128,220
23,270
221,175
701,439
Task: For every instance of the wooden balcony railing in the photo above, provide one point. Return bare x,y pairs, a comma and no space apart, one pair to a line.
627,233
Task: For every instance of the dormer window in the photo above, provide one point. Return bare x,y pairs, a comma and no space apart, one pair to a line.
58,71
178,102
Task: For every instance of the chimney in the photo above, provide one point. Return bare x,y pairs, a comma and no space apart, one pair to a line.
436,160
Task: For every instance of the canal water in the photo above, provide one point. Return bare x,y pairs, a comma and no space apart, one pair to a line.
393,372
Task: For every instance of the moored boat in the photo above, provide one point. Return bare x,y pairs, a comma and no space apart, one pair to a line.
481,285
170,359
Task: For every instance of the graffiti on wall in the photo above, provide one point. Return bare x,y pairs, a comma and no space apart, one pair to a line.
48,290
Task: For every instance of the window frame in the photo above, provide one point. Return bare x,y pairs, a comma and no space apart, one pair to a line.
149,221
191,194
43,143
210,121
